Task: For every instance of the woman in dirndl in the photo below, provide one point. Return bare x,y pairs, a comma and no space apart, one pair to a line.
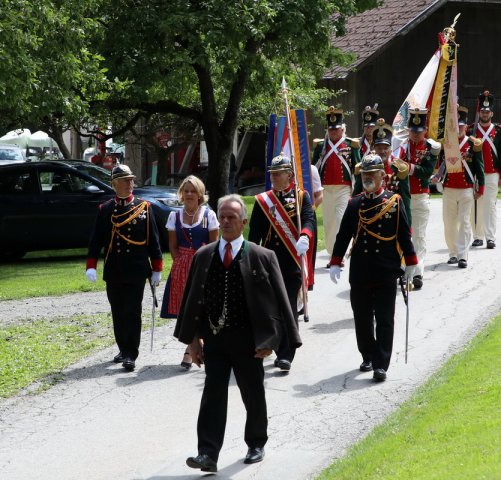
189,229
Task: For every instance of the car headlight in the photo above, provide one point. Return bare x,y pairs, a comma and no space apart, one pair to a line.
170,202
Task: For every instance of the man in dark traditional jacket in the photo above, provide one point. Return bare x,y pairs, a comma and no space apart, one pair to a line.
233,311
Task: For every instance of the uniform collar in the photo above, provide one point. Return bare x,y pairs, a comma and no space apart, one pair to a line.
375,194
124,201
285,192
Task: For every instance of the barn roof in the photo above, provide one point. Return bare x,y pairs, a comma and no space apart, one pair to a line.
369,32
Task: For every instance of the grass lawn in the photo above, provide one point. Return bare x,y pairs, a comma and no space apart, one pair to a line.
449,429
59,272
55,272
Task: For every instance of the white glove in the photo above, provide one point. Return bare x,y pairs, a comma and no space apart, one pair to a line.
302,245
335,272
91,275
155,278
410,271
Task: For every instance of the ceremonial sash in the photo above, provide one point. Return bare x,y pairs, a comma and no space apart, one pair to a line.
280,220
465,165
461,145
367,146
330,152
486,137
343,161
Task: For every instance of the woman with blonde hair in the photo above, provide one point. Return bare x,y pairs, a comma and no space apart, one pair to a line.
189,229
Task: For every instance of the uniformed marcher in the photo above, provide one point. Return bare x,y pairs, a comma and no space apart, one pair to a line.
125,228
273,225
369,118
460,189
484,213
396,170
335,167
421,156
376,222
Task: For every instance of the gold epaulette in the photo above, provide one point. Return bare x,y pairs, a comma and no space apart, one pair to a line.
402,166
477,143
354,142
357,168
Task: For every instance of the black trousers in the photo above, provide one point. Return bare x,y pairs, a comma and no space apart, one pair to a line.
126,305
231,349
375,303
292,286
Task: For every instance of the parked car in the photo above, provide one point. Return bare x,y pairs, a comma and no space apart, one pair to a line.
52,205
11,154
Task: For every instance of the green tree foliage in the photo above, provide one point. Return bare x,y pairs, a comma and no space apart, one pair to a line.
47,71
212,61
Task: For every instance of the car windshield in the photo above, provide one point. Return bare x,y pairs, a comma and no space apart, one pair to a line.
9,153
94,171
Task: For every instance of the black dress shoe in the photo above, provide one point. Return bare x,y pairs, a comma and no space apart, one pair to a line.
462,263
203,462
366,366
254,455
417,281
119,358
129,364
283,364
477,242
491,244
452,260
379,375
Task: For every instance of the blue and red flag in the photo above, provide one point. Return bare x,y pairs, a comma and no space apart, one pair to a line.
278,141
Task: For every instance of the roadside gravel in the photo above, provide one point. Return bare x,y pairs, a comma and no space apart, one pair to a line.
32,309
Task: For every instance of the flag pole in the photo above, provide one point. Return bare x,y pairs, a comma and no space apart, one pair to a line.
296,191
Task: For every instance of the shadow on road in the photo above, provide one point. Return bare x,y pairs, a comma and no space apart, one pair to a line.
349,381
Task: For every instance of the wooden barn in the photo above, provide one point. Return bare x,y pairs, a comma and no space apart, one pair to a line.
393,44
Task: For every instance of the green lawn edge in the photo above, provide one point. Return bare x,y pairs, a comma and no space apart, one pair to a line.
449,429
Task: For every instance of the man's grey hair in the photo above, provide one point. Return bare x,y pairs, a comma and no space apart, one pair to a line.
233,197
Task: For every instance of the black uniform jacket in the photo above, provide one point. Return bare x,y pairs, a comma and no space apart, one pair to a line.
374,258
127,258
262,232
267,302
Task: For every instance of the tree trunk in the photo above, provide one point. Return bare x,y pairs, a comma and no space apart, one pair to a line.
219,150
57,135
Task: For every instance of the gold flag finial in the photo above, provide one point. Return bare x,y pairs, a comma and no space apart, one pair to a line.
449,32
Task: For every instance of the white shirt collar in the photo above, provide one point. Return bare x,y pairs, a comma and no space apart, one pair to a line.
236,245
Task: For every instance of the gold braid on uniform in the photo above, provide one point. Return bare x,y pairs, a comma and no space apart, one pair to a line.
364,222
133,213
